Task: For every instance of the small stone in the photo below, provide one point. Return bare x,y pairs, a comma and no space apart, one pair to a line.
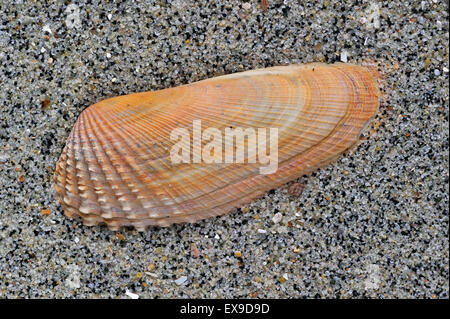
120,237
372,16
277,218
45,212
344,56
295,189
246,6
151,274
73,280
237,254
194,250
181,280
445,69
108,55
373,278
437,72
131,295
262,231
109,16
45,103
264,4
46,28
3,158
73,19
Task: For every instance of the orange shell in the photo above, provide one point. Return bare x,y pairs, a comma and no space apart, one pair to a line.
116,166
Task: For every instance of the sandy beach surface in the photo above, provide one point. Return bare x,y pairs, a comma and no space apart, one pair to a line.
373,224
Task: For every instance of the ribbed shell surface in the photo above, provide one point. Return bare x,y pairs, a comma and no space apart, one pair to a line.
116,166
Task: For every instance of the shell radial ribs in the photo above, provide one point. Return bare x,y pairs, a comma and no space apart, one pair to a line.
116,167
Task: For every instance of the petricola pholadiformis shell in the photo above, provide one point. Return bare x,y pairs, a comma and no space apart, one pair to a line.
118,164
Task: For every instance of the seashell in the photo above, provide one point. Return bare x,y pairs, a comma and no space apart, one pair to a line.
116,167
